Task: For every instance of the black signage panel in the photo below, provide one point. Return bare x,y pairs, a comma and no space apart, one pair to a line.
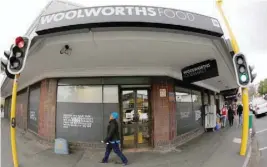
200,71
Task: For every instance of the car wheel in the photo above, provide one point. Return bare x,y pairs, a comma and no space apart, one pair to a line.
257,116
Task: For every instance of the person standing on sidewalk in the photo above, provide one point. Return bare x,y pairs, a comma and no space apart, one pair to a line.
231,115
113,139
240,113
224,115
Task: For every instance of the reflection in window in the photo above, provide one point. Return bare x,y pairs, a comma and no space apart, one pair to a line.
79,94
212,100
196,97
206,99
183,95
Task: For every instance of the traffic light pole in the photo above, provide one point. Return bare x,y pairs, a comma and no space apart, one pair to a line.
13,121
245,100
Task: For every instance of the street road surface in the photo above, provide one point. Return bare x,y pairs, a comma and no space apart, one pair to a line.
261,132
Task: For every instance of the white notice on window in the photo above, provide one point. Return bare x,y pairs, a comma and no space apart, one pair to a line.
33,115
81,121
197,115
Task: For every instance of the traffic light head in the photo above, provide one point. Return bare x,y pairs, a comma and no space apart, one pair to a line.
252,75
241,69
4,62
19,53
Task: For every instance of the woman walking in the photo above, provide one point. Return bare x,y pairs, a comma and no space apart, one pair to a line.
231,115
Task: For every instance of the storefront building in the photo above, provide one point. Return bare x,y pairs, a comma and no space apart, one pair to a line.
160,99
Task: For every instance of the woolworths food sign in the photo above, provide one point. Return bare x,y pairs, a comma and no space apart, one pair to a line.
127,14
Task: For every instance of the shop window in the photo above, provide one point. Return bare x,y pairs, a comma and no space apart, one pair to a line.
184,109
188,109
206,99
197,106
111,94
33,110
80,113
212,99
79,94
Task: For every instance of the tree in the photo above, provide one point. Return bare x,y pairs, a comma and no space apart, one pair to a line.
262,90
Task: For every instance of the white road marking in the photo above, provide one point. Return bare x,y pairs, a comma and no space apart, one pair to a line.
263,148
260,131
237,140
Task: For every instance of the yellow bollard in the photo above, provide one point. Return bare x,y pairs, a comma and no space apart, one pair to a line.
13,122
245,99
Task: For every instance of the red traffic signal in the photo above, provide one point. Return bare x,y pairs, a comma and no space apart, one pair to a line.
19,42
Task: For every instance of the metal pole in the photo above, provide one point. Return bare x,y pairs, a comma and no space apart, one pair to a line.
245,99
13,122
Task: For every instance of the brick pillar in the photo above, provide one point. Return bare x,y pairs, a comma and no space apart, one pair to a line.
163,111
47,109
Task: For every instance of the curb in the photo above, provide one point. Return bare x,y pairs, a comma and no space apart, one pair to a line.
248,156
253,155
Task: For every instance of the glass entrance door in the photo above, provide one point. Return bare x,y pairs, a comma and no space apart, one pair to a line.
136,119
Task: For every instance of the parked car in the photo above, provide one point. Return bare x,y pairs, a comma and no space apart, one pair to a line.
260,108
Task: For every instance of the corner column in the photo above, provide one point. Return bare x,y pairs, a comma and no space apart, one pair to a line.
47,109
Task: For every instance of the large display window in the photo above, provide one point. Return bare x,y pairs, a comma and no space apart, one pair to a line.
33,109
83,111
188,109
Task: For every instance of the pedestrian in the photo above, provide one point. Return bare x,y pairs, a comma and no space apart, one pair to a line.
231,115
224,115
113,140
240,113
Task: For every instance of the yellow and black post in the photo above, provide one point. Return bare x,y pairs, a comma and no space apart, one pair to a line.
13,121
245,100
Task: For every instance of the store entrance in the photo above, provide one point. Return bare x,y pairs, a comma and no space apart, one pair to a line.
136,118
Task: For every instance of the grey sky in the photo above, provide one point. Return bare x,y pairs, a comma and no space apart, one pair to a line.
248,19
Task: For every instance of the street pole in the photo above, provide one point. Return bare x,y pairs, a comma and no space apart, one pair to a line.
13,122
245,101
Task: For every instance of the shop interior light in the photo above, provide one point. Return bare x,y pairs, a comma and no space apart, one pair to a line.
19,42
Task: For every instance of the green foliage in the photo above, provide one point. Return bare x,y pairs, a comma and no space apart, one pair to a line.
263,87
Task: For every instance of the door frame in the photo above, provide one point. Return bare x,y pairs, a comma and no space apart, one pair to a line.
150,115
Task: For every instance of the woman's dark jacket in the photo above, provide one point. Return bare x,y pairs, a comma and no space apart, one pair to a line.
112,131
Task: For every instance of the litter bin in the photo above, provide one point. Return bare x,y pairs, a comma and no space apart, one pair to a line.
61,146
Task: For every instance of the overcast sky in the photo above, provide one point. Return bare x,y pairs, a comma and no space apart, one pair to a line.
248,19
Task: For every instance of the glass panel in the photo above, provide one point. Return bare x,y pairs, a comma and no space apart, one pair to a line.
142,106
196,97
183,95
111,94
143,136
212,99
79,94
206,99
197,105
184,110
129,136
128,106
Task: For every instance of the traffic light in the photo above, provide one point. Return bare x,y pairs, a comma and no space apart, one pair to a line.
4,62
19,53
241,69
252,75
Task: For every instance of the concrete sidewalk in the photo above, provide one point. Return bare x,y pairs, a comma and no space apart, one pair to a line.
213,149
